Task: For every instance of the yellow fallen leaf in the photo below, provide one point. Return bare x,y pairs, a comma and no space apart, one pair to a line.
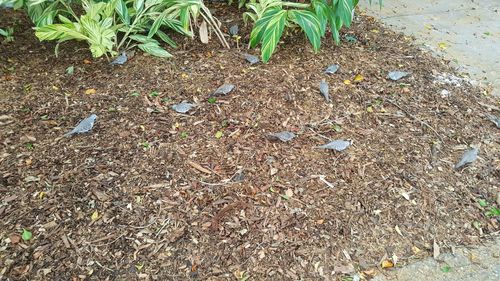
358,78
369,109
95,215
90,91
375,31
41,195
443,45
428,26
184,75
387,264
347,82
415,250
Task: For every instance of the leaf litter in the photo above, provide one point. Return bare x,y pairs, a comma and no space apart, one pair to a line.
160,223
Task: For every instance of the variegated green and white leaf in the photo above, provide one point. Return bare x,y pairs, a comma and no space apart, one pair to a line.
344,11
165,38
122,11
154,49
261,26
272,34
309,24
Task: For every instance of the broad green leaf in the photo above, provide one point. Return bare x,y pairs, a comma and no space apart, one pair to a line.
3,33
138,6
332,20
261,25
59,32
272,35
122,10
321,13
176,25
143,39
165,38
184,18
27,235
101,36
18,4
309,24
344,11
156,24
154,49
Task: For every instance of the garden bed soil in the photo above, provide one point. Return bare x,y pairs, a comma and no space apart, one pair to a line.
154,194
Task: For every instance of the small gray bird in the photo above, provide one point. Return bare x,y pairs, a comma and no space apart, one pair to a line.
182,107
233,30
323,89
396,75
83,127
251,59
121,59
467,158
332,69
338,145
282,136
223,90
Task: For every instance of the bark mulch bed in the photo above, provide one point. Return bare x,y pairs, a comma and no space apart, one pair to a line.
154,194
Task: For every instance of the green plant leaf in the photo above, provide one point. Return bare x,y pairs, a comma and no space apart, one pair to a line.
138,6
219,134
165,38
61,32
260,26
320,9
493,212
446,268
309,24
141,38
122,11
332,20
344,11
272,35
154,49
483,203
27,235
156,25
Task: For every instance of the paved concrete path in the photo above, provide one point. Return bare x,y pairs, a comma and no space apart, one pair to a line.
475,264
464,31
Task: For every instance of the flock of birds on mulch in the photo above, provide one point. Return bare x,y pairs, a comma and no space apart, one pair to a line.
86,125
